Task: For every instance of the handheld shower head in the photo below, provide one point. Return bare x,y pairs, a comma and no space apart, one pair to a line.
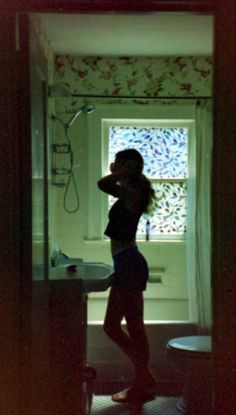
88,108
85,109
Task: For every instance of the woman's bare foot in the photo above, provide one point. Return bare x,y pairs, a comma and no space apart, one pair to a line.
133,395
121,397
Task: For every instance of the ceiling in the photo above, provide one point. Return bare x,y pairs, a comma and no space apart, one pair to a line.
146,34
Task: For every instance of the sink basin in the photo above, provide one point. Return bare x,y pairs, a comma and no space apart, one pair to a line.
91,276
97,277
67,260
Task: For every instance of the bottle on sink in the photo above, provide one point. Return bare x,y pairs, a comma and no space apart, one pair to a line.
55,257
147,230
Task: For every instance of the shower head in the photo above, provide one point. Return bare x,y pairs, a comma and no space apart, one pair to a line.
85,109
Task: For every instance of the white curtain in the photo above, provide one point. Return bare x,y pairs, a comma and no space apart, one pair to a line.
199,219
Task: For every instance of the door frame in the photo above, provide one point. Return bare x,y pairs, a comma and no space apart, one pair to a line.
16,292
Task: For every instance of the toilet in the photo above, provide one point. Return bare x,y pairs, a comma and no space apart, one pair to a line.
192,357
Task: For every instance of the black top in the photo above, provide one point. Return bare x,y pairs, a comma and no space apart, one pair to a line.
123,223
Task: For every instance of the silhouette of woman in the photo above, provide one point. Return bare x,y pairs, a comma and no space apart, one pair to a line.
135,195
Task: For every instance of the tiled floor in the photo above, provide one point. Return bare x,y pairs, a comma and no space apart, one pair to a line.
103,405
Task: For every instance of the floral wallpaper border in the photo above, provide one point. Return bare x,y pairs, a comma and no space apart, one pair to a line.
134,76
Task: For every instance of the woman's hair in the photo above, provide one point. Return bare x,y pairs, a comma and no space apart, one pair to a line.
130,154
136,176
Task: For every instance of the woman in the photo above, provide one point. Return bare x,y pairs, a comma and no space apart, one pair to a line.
135,195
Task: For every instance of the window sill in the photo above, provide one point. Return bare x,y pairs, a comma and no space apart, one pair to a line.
139,241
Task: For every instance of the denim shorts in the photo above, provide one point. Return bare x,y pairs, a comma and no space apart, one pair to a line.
130,269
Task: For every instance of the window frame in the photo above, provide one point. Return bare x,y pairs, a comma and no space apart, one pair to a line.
108,123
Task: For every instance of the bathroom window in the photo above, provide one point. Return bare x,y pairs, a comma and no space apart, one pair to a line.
165,152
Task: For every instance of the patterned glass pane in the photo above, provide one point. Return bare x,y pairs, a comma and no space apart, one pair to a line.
164,149
168,216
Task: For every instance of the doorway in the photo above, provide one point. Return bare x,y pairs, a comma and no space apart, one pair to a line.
224,99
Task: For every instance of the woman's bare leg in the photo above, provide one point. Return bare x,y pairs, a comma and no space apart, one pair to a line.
136,329
112,322
129,304
139,341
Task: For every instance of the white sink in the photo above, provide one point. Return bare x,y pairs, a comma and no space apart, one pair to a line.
91,276
97,276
